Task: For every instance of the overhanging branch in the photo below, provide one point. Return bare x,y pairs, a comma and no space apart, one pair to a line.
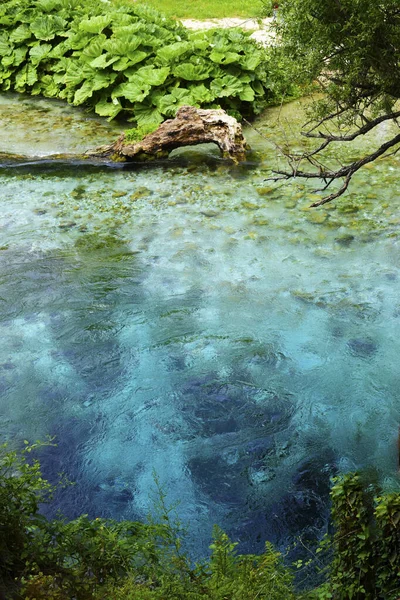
346,172
360,131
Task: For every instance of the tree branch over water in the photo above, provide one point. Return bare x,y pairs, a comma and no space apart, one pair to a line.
353,51
328,177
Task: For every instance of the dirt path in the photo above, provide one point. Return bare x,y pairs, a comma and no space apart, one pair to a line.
263,29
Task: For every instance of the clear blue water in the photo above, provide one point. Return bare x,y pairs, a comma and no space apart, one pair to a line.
192,320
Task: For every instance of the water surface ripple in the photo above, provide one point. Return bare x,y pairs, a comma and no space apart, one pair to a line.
187,319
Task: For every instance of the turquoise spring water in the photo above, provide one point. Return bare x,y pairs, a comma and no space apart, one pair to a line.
190,319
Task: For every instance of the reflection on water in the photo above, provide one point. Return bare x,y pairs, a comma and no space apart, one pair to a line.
195,321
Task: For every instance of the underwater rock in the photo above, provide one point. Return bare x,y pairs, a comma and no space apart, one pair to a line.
260,222
7,366
391,276
222,482
317,217
306,297
290,204
345,240
313,475
141,192
250,205
209,213
348,209
221,426
259,474
362,347
301,513
303,510
190,127
260,447
124,496
64,225
79,192
265,191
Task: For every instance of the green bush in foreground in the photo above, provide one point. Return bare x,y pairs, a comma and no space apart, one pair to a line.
131,60
22,489
366,543
103,559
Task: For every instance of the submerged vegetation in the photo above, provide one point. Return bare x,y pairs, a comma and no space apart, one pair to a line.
128,60
100,558
131,60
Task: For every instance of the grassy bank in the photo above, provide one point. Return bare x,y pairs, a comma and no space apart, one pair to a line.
207,9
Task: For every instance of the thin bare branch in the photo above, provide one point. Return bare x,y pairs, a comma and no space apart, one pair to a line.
335,195
365,99
317,150
345,172
329,117
354,167
325,186
360,131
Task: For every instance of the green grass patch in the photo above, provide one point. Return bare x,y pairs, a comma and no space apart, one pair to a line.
207,9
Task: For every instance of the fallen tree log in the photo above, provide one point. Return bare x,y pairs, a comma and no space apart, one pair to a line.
191,126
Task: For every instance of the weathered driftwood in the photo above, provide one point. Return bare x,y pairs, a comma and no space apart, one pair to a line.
191,126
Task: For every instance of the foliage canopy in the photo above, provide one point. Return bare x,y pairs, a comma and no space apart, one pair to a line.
130,60
352,49
95,559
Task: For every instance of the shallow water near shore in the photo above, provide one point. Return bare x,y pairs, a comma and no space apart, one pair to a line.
190,319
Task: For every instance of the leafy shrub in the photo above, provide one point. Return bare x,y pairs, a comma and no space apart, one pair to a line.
128,59
366,543
246,577
353,565
66,558
100,559
22,489
79,558
226,575
387,519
